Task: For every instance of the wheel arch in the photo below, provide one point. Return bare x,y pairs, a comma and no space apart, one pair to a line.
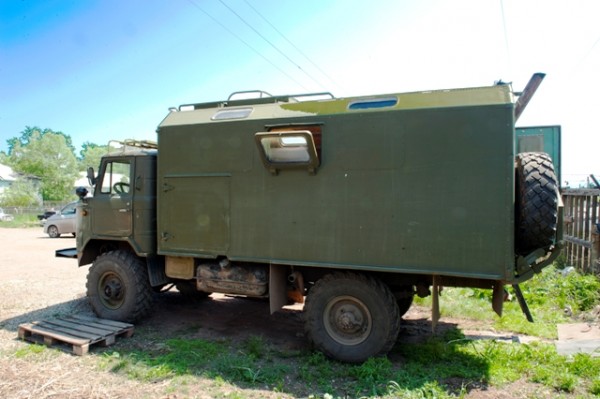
94,248
155,263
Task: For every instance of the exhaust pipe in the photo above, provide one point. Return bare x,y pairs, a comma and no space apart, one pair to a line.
527,93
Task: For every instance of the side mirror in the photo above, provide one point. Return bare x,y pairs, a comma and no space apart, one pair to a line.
90,176
81,192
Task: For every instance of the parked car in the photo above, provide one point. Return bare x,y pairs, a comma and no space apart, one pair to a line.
62,222
5,217
46,215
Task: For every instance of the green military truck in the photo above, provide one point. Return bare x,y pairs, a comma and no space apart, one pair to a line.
354,204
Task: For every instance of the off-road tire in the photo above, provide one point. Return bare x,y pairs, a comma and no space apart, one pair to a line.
340,299
118,287
536,210
404,299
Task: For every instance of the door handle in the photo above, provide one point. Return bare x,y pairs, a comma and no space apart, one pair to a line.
124,210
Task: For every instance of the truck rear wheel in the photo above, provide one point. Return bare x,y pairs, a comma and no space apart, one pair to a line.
351,317
404,299
118,287
536,204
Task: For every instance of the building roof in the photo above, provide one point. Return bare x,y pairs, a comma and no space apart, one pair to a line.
7,174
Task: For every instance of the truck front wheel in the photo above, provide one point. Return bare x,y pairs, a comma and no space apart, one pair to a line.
118,287
351,317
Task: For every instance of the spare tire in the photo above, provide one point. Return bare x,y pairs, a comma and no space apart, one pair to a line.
536,204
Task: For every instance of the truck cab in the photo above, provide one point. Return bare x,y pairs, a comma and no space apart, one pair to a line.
122,210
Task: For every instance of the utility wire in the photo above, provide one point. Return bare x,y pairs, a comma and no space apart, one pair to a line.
271,44
293,45
509,62
587,54
247,44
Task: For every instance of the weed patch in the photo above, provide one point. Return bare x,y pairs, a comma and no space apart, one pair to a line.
552,298
444,366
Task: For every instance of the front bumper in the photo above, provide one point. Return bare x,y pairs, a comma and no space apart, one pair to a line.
66,253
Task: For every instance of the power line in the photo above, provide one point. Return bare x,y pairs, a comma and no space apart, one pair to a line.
293,45
509,62
587,54
247,44
271,44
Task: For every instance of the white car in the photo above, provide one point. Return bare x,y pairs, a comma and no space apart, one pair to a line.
5,217
62,222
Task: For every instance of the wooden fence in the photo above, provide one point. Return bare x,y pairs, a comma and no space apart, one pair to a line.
34,210
582,229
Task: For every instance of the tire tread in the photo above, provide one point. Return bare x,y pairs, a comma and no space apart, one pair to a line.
313,318
141,285
537,202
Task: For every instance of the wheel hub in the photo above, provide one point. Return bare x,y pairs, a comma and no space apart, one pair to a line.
347,320
112,289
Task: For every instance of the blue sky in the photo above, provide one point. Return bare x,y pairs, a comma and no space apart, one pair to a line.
100,70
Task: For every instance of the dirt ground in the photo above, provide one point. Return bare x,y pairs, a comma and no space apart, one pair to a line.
36,285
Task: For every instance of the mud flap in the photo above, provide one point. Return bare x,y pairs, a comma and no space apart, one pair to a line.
435,303
277,288
498,298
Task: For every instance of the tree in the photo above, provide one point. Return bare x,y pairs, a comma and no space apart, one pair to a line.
31,134
22,193
90,155
48,155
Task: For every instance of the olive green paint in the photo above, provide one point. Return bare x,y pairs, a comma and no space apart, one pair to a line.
422,183
425,186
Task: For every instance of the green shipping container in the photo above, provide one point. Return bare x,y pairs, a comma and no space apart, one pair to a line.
541,139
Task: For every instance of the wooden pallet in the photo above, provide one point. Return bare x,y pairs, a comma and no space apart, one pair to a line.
77,333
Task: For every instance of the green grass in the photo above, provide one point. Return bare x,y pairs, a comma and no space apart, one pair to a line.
443,367
446,366
548,295
26,220
32,350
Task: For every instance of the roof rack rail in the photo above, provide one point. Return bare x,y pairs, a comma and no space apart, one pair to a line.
261,94
261,97
287,97
319,94
145,144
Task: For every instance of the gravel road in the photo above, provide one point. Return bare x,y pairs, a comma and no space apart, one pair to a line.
36,284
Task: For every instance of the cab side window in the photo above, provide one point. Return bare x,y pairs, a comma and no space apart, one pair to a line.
116,179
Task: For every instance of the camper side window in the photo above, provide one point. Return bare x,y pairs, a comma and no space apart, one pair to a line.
292,148
287,150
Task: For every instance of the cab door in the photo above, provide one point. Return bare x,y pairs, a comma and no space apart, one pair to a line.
113,198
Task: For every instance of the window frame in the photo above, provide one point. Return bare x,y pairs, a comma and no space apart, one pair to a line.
274,166
108,172
373,103
225,114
